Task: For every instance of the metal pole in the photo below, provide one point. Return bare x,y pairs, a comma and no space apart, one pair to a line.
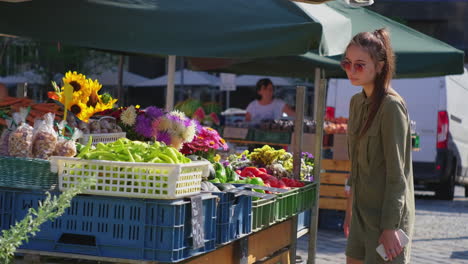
297,153
228,99
319,118
171,66
120,81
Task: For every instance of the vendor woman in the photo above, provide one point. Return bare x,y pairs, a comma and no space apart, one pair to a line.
265,107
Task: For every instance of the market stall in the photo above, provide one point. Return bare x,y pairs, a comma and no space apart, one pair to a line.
160,191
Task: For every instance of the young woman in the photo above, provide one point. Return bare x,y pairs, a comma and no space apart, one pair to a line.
381,200
265,107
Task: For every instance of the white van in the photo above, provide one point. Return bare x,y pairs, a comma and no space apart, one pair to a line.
439,106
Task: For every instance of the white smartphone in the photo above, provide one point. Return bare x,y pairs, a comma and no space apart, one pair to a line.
404,239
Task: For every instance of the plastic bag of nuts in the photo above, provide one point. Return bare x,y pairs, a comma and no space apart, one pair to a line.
44,137
67,147
20,139
4,138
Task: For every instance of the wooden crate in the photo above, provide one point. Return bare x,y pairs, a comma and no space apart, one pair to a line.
281,258
268,241
332,184
225,255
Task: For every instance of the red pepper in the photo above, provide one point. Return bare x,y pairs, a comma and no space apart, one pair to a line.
263,170
251,171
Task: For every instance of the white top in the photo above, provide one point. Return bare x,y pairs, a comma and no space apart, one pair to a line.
272,111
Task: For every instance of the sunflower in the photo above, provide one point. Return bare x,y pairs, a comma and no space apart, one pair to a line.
85,101
94,87
81,111
78,81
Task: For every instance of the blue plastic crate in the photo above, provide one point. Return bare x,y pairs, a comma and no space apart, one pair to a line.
138,229
331,219
234,217
303,220
7,203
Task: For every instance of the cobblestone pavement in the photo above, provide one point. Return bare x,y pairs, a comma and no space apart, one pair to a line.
441,234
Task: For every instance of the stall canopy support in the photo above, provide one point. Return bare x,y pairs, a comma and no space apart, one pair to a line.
297,153
320,92
171,67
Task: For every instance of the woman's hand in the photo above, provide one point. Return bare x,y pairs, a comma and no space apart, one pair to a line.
391,242
347,223
349,210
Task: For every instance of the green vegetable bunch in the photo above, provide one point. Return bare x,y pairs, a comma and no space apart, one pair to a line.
132,151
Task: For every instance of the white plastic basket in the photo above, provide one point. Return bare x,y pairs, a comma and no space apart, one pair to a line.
102,138
132,179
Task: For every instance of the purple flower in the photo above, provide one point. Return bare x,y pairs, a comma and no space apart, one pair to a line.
307,155
164,137
187,122
198,127
143,126
225,163
153,112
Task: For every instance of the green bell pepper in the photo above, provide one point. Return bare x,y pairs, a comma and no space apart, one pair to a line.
220,172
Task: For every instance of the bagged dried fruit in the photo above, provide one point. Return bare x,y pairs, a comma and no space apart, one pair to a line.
20,139
4,138
44,137
67,147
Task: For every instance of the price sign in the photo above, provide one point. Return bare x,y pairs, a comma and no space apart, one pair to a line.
198,228
228,82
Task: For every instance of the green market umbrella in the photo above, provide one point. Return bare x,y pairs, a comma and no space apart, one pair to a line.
418,55
204,28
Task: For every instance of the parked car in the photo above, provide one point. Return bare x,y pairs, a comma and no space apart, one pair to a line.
439,107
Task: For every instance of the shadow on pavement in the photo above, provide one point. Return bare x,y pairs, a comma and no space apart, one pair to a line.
459,255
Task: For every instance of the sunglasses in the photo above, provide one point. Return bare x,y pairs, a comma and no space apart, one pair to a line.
347,65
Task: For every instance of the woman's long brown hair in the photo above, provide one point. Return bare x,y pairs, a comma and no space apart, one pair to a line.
378,45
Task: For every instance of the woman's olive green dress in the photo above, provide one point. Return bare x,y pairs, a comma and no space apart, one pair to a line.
381,177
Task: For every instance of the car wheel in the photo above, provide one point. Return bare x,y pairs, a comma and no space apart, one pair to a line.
446,190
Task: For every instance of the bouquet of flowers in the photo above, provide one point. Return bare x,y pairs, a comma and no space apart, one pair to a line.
86,100
174,129
205,144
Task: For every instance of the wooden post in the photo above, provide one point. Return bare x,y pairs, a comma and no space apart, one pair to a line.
297,153
171,66
320,88
298,130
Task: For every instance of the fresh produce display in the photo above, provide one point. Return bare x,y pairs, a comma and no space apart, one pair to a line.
279,163
285,125
9,105
132,151
99,126
206,114
336,125
276,125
